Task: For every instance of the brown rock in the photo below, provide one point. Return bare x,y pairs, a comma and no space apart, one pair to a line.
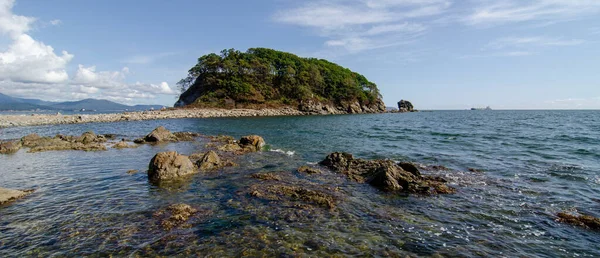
309,170
169,166
267,176
30,139
384,174
186,136
10,195
175,215
160,134
230,147
252,142
89,137
209,162
584,221
10,147
123,145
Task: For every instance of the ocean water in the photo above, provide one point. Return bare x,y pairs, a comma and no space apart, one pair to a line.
534,164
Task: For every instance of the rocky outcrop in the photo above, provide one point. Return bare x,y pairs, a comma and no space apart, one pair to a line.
405,106
252,143
10,147
584,221
10,195
385,175
209,162
160,134
346,107
167,166
88,141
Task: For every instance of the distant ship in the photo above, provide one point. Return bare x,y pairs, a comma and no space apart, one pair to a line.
487,108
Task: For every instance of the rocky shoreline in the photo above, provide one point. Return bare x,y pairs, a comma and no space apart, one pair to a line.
35,119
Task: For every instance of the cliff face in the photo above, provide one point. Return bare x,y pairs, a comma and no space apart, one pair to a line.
262,78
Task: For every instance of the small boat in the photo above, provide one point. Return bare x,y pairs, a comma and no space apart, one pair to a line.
487,108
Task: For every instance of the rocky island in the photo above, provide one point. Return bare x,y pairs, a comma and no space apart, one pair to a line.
266,78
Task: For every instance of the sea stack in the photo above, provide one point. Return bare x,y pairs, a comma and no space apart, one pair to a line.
405,106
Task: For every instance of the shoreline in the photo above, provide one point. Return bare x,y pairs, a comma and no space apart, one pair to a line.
7,121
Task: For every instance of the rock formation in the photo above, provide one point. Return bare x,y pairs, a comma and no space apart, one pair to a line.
10,195
385,174
169,166
405,106
210,161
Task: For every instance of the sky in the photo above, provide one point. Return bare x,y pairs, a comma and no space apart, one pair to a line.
439,54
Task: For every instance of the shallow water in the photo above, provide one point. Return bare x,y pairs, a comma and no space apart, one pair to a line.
535,163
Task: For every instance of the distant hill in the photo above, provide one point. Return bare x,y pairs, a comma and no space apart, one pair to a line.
20,104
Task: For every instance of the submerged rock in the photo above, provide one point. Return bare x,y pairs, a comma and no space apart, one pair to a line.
10,195
385,174
176,215
293,193
123,145
266,176
170,166
10,147
584,221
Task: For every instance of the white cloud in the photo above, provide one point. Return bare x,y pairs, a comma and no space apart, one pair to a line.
358,25
510,11
28,60
30,68
147,59
532,41
56,22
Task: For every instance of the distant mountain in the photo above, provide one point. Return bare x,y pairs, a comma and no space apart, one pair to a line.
16,104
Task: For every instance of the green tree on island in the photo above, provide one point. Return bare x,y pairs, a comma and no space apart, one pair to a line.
266,77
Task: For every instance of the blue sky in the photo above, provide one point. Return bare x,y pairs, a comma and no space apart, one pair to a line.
440,54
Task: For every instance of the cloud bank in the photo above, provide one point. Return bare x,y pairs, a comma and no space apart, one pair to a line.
31,68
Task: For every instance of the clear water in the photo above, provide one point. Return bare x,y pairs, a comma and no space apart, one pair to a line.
536,164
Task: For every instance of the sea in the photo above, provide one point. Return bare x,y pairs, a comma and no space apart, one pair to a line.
513,172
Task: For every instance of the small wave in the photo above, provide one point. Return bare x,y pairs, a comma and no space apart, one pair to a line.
289,153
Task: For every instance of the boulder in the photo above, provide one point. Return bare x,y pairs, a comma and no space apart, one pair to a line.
209,162
160,134
405,106
9,195
384,174
10,147
252,143
169,166
90,137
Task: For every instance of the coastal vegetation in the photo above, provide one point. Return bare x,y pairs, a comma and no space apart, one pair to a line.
265,77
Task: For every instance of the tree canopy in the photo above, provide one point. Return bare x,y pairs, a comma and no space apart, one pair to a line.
262,75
